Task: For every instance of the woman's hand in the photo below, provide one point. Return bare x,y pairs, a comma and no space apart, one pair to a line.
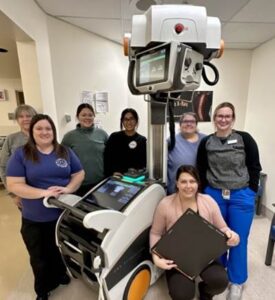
233,238
53,191
117,174
59,189
163,263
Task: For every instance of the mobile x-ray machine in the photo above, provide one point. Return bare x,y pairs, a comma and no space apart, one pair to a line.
104,236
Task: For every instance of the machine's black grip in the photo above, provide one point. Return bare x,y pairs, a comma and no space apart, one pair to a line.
60,204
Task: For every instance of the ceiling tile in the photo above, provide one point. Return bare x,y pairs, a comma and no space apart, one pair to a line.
248,32
257,11
82,8
111,29
224,9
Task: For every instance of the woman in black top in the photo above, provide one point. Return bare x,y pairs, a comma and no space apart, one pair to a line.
126,148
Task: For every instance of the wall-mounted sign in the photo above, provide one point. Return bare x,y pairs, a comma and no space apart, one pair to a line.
199,102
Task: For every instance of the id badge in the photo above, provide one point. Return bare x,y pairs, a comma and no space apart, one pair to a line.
226,194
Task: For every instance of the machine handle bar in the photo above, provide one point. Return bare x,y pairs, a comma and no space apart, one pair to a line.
60,204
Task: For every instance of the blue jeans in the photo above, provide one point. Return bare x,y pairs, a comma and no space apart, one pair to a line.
238,213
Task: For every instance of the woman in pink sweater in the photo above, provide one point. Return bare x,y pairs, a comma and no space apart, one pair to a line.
170,209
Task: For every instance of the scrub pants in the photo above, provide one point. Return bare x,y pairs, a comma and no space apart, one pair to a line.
47,265
238,212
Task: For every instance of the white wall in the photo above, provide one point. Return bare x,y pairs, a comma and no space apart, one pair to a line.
82,61
234,70
260,111
29,74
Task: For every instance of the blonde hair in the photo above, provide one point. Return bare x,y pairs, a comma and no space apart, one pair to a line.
225,104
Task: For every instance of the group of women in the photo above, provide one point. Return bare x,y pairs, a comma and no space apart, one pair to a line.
228,172
34,165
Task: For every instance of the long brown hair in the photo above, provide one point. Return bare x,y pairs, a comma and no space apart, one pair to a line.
30,149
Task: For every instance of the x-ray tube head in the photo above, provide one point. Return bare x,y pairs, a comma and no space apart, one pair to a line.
168,47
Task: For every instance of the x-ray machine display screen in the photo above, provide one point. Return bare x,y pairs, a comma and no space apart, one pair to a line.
152,66
113,194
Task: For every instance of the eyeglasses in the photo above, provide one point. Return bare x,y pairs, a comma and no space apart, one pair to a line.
227,117
129,119
188,122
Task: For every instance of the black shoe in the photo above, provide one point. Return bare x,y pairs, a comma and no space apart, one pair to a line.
203,295
43,297
66,279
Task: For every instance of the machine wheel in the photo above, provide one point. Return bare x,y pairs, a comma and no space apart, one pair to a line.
138,284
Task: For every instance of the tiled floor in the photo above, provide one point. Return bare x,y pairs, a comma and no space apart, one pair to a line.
16,281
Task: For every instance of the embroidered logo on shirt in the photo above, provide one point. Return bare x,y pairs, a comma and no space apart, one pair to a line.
61,162
133,145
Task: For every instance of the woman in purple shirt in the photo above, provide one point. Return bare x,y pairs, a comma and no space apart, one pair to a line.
43,168
185,149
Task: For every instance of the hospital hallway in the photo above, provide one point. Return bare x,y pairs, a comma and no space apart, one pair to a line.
16,278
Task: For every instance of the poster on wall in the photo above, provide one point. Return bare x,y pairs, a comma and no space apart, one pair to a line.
101,102
3,95
199,102
87,97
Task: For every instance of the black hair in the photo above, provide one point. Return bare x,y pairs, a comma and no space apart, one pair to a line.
82,106
124,112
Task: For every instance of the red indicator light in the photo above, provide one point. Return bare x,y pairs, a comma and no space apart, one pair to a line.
179,28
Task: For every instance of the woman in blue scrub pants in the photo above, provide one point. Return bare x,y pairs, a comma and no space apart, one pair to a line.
229,167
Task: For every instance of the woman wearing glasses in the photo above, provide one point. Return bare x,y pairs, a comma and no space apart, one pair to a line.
229,167
185,150
88,143
125,149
